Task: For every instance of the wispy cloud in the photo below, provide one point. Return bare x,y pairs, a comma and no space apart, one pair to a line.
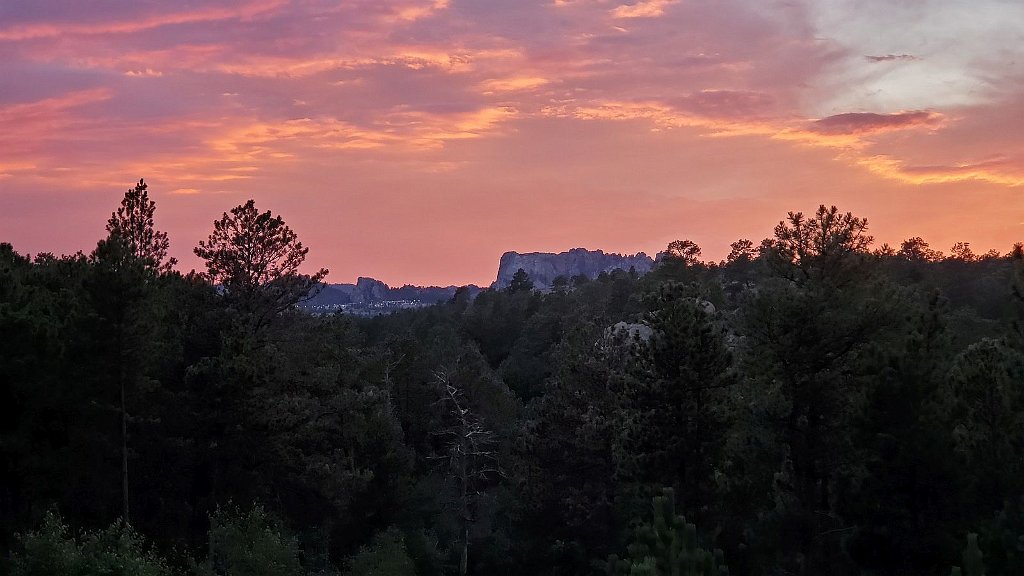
643,9
145,22
1001,171
870,123
891,57
512,84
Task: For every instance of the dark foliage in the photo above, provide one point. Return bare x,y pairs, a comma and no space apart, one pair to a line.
813,406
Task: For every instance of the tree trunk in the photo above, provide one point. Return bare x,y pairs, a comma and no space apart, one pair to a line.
464,504
124,453
121,382
464,560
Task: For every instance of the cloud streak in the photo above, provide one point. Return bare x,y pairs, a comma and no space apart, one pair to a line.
145,22
891,58
871,123
643,9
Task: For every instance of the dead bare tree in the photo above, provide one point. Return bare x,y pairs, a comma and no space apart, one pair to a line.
470,459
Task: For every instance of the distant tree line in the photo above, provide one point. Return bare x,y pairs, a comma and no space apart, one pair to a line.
813,404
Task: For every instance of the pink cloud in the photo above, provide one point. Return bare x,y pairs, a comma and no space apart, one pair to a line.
726,103
145,22
868,122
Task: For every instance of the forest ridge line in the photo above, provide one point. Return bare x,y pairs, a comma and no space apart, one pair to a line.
812,404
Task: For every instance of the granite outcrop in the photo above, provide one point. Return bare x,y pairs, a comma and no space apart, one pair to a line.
544,267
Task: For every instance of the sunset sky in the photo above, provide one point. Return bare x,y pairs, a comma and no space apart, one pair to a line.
415,141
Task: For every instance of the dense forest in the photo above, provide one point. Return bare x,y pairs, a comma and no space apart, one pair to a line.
813,404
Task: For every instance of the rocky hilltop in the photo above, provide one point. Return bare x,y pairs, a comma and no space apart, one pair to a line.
363,291
544,267
371,296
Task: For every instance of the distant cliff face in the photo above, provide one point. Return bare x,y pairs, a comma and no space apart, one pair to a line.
368,291
363,291
544,267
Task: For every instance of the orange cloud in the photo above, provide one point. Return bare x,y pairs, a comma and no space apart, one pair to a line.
512,84
9,168
429,130
643,9
265,140
1000,171
418,11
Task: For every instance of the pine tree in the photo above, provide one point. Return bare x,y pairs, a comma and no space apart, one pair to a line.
667,545
686,251
521,282
1017,288
53,550
983,404
256,258
249,543
672,397
804,335
122,290
831,247
972,559
133,224
908,483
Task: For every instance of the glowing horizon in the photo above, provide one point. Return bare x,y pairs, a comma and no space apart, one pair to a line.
416,141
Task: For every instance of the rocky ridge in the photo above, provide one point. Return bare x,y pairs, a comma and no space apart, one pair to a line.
544,267
370,297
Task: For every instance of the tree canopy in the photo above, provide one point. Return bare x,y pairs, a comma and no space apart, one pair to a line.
257,258
812,404
133,224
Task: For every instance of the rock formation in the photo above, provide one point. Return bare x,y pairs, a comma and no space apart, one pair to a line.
544,267
371,291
